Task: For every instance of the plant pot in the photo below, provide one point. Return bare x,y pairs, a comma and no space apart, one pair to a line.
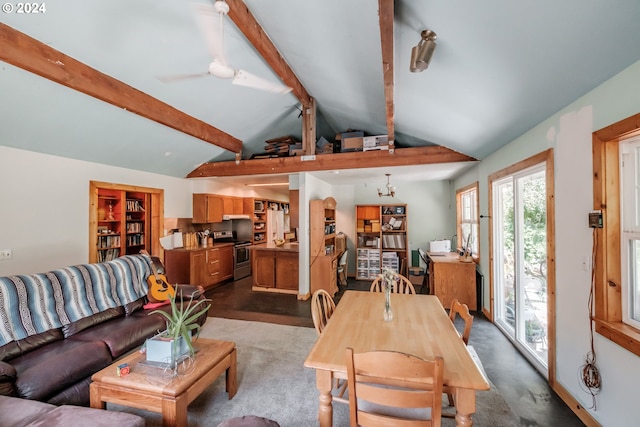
167,350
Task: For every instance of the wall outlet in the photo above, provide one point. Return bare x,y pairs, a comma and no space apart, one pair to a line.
5,254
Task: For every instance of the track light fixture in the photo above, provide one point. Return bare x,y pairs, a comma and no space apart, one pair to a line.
421,53
391,190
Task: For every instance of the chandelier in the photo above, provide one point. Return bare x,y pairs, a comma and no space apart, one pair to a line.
391,190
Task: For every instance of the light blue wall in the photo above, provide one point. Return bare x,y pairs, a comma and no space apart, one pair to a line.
569,133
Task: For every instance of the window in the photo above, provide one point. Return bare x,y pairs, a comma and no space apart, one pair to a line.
616,309
630,236
467,217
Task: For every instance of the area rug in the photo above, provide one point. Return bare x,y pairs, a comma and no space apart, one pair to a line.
273,383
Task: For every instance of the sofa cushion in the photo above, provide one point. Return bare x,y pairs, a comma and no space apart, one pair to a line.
25,345
7,379
45,371
95,319
20,412
124,333
64,416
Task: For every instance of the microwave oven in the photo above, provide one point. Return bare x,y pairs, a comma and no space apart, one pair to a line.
258,206
440,246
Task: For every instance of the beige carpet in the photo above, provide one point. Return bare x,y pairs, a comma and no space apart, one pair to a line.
273,383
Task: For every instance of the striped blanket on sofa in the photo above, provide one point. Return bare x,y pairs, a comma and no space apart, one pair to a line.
34,303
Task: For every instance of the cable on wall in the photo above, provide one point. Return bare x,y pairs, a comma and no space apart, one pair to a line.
589,373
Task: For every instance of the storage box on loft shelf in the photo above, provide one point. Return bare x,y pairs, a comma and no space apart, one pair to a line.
377,142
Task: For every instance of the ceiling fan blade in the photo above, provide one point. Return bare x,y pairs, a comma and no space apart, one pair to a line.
246,79
179,77
211,25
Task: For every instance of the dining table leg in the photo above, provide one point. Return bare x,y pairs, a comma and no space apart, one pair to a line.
465,400
324,381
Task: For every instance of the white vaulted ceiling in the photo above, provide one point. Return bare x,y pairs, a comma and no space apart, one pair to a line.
500,68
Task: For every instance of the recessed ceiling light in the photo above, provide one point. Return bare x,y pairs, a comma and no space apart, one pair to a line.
167,153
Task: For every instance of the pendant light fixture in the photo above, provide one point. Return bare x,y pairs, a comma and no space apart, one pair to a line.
391,190
421,53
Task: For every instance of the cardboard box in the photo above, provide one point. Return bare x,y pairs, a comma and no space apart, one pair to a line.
351,141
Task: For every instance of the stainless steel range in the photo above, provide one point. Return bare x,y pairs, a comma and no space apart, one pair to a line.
241,253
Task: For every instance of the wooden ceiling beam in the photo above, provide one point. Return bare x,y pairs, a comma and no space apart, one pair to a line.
355,160
25,52
386,13
249,26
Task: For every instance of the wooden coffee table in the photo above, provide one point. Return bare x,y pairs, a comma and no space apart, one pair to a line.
147,387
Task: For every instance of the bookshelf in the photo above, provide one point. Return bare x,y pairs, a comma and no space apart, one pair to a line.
381,240
322,245
121,220
257,209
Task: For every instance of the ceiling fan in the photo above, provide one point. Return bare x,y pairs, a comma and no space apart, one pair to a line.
210,20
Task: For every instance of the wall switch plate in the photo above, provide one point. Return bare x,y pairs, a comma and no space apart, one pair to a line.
5,254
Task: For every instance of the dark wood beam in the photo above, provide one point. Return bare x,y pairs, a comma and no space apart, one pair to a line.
247,23
34,56
385,12
354,160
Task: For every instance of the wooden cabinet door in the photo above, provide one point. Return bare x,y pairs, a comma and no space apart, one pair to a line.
287,270
215,208
226,262
237,206
197,268
263,269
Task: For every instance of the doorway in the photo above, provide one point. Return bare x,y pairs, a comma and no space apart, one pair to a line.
520,247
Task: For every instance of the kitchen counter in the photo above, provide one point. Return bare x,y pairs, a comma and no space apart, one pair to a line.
287,247
275,268
201,248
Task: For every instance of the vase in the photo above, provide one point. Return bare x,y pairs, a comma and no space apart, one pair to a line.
388,313
166,350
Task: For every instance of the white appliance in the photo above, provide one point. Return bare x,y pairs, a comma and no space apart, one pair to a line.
275,225
440,246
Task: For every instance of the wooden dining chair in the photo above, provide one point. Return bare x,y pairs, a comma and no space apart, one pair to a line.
461,310
389,388
322,307
402,286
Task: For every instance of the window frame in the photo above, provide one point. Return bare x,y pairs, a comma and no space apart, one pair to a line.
629,212
607,293
471,188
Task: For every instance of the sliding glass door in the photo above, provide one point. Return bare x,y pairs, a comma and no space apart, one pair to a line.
520,254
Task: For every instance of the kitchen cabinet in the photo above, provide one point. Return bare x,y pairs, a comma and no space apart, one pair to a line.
275,268
209,208
208,266
450,278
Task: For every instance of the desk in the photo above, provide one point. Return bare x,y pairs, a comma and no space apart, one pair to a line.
450,278
420,326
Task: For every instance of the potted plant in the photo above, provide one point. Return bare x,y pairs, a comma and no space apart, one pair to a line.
176,341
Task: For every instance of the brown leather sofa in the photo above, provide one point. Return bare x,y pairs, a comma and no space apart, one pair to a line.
55,365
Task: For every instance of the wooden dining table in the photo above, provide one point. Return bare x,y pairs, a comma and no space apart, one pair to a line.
420,327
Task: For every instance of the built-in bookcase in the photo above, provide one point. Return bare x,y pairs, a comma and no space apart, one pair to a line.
124,220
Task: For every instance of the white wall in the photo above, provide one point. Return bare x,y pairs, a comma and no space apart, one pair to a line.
569,133
44,213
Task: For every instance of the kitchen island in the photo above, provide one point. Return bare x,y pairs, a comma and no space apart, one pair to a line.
275,268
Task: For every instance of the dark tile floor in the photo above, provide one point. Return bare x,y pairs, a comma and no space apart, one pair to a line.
525,390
